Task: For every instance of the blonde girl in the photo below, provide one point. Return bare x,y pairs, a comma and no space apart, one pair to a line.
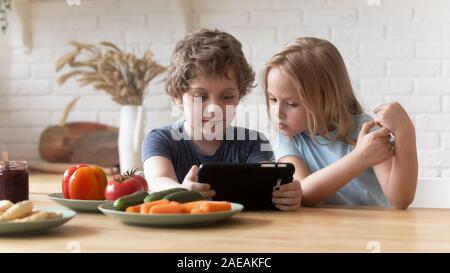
341,155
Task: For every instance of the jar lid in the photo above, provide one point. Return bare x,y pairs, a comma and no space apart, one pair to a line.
13,165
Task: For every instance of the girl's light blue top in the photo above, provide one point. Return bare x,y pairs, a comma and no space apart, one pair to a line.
360,191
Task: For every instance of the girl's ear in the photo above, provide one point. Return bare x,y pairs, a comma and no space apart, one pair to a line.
179,102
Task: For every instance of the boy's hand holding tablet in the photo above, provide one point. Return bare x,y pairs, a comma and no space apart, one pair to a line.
190,183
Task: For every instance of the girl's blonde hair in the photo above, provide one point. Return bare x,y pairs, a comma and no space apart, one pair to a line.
318,72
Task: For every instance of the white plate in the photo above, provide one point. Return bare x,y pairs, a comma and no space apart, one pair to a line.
76,204
37,226
182,219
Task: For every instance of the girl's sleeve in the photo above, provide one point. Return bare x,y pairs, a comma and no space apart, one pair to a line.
360,120
284,146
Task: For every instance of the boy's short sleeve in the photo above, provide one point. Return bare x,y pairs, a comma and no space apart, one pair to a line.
284,146
261,150
156,143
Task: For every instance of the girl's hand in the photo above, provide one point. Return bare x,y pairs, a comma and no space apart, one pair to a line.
393,117
373,148
190,183
288,196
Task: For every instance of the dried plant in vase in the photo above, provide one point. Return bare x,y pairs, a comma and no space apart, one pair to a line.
123,76
120,74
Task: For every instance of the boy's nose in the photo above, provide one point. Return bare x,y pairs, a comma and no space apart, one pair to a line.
212,109
216,101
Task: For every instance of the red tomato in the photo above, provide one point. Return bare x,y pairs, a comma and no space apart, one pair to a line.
125,184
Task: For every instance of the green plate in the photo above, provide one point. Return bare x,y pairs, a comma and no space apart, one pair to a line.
76,204
170,219
37,226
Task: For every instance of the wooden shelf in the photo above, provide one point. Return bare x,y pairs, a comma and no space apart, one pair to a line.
186,8
21,15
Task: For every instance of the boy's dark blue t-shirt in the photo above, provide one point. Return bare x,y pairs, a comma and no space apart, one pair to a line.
240,145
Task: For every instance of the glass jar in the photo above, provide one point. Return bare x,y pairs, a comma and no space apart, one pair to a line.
14,181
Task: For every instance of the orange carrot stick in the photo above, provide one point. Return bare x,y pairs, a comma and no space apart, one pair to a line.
188,207
145,208
166,208
135,209
197,211
216,206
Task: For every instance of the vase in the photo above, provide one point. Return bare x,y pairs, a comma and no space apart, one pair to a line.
131,135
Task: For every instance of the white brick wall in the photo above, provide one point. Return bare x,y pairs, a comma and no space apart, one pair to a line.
399,50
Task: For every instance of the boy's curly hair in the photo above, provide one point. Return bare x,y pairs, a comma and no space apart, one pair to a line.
212,53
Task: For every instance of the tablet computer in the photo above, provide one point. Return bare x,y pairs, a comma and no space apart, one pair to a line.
250,184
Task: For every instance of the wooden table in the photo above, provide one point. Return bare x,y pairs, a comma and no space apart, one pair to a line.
329,229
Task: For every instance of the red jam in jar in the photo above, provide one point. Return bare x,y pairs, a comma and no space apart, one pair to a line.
14,181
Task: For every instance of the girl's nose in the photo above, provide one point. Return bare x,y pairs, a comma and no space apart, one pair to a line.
279,113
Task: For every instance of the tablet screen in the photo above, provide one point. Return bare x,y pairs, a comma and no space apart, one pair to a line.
246,183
